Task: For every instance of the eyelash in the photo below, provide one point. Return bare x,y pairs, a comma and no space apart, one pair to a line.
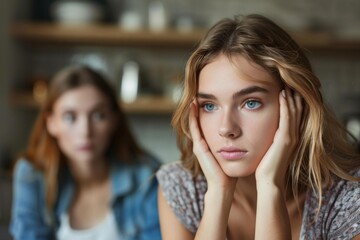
254,101
71,117
205,104
259,104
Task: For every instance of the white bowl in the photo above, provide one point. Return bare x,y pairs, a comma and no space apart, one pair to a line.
76,12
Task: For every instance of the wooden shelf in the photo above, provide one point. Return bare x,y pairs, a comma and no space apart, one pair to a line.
143,105
150,105
325,41
112,35
51,33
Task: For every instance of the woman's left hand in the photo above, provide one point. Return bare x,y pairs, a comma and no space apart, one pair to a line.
273,166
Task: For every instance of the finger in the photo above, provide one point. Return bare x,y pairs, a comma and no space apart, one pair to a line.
199,145
299,107
200,148
290,100
284,112
292,110
193,123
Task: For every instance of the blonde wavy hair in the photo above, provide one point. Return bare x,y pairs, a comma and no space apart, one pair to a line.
324,149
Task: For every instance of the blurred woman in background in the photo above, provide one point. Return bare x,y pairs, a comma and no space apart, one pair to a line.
83,175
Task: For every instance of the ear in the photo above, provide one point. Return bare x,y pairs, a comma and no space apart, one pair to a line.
51,125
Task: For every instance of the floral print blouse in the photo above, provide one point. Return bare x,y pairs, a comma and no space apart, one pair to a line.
338,218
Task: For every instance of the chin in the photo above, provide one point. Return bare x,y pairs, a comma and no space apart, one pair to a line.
84,158
236,170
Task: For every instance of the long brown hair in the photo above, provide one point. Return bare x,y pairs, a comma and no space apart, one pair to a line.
324,149
43,151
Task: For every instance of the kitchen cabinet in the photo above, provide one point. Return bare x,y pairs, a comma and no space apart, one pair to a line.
50,34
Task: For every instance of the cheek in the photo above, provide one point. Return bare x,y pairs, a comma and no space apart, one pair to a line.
261,130
103,133
203,124
65,138
209,128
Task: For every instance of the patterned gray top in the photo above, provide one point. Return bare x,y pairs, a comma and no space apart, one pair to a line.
339,216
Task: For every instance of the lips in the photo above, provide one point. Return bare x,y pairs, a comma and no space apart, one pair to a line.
86,147
232,153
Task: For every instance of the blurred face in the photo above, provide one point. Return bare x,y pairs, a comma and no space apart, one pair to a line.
238,112
82,122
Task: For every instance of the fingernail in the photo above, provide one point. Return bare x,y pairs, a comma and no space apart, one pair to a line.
283,93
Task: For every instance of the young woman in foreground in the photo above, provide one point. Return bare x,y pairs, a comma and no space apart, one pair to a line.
262,156
83,175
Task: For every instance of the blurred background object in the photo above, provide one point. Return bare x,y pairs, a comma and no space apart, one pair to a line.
351,115
73,12
157,16
353,125
130,82
40,90
131,20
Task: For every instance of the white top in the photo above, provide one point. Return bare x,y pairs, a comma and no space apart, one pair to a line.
105,230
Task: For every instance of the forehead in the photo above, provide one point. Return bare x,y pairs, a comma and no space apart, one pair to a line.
238,67
85,97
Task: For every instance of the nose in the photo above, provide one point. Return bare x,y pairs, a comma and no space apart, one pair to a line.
85,127
230,126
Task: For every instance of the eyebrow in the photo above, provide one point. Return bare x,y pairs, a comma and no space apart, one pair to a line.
96,107
238,94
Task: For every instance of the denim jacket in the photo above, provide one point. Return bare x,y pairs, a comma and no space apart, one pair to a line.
134,201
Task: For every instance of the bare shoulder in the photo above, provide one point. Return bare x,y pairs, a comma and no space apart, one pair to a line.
171,227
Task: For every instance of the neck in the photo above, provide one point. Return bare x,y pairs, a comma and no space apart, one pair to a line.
90,174
245,192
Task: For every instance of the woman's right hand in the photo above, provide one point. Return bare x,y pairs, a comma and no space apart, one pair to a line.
220,192
215,176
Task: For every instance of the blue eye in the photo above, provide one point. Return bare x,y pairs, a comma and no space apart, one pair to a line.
69,117
98,116
252,104
209,107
